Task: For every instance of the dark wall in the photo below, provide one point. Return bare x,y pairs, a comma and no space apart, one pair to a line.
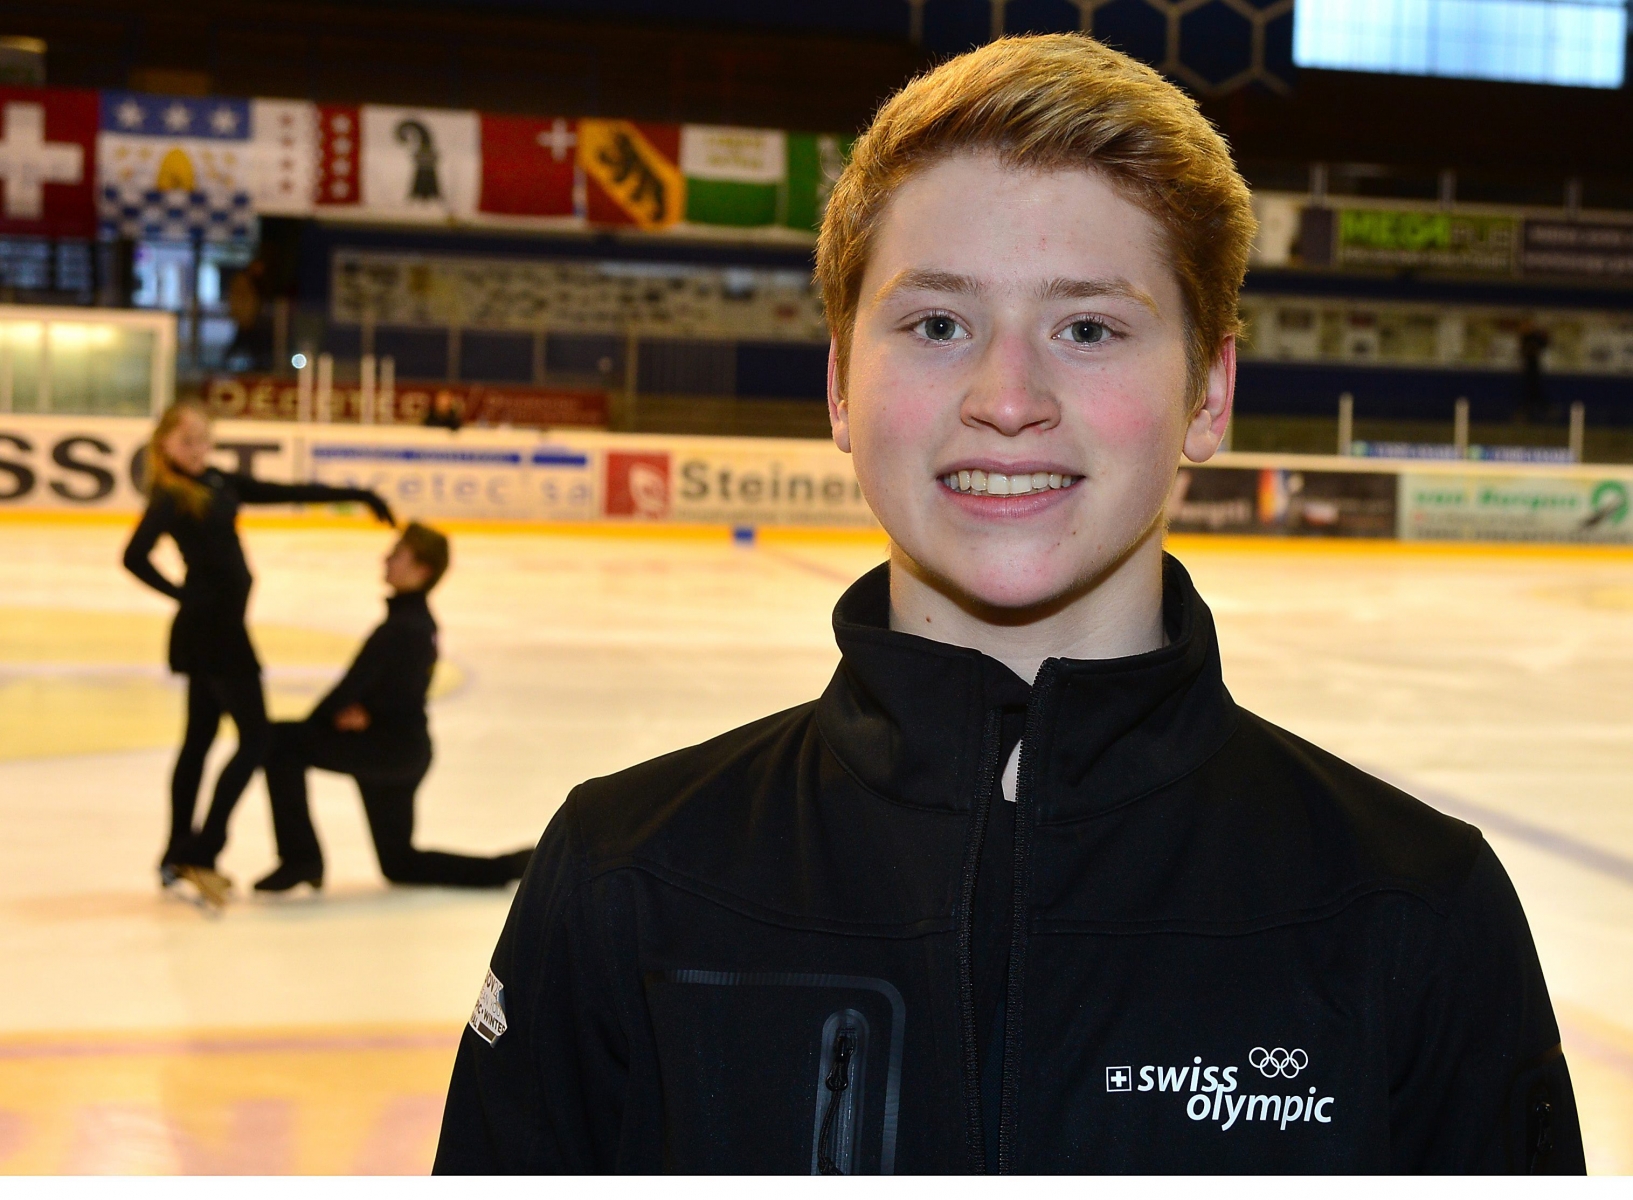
470,57
1523,139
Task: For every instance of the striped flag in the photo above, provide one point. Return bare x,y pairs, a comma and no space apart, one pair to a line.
733,176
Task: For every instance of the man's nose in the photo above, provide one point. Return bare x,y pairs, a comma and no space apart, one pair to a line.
1009,391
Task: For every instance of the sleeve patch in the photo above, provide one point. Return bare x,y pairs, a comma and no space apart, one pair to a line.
488,1017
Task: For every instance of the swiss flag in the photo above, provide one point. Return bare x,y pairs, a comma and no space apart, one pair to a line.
48,161
340,136
528,165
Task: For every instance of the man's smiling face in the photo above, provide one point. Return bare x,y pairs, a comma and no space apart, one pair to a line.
1017,400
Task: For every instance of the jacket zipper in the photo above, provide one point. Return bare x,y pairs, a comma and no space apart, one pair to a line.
1042,694
986,777
839,1099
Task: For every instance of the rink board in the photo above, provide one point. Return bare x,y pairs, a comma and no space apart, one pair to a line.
94,464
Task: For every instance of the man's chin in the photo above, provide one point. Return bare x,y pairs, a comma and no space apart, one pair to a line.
1012,595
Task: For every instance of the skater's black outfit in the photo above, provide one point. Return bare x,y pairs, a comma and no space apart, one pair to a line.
389,679
210,644
1194,943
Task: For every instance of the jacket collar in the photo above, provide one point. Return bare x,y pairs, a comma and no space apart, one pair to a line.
404,603
906,715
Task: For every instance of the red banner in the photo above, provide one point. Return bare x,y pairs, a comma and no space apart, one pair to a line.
528,165
48,161
276,398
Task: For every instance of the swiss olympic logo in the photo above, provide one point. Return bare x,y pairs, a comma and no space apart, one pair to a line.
1271,1063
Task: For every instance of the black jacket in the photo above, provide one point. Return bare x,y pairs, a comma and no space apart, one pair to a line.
391,674
1222,949
208,635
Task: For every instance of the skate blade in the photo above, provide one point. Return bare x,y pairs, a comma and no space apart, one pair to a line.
205,888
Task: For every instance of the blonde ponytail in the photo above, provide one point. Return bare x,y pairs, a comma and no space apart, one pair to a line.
161,475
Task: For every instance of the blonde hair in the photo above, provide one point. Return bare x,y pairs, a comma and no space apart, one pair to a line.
1054,102
160,475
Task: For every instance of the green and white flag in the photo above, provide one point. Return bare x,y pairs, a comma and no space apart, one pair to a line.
814,163
733,176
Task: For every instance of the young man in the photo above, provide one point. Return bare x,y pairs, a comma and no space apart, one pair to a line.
372,727
1024,890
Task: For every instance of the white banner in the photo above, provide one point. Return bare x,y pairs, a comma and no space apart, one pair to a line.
736,481
93,463
1534,507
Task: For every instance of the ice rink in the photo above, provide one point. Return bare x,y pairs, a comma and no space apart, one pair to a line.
315,1035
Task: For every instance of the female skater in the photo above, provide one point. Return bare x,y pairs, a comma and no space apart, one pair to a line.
197,505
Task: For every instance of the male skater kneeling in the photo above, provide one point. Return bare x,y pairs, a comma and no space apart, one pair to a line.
372,727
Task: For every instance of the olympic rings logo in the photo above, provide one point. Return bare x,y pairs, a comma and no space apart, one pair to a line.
1271,1063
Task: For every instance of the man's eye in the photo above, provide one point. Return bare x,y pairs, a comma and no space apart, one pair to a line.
1086,333
939,329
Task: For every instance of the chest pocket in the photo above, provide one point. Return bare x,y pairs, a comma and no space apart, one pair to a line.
773,1073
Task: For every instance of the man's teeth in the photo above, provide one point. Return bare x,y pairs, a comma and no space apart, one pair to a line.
996,483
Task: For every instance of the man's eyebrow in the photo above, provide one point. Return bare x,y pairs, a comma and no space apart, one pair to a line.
1090,289
928,280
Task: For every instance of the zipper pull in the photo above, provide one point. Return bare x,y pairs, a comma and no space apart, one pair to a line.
839,1079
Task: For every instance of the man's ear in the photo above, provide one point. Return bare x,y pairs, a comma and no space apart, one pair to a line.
1208,423
839,413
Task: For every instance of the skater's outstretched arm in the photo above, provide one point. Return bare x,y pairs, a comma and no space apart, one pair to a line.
261,491
161,511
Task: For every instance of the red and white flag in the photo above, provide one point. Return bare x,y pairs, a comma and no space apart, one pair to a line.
339,143
48,161
529,166
283,149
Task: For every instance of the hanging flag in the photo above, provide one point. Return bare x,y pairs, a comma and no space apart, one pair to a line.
173,168
814,163
631,173
733,176
420,164
338,153
529,165
47,158
283,143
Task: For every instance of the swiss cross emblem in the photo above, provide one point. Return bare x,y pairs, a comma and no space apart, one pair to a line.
28,161
1119,1079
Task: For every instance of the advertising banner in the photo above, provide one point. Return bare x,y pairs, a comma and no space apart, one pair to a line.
447,477
91,463
95,463
1375,237
1276,501
741,481
277,398
1515,508
1598,251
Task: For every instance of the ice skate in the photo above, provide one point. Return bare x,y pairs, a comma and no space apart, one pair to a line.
286,877
210,886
